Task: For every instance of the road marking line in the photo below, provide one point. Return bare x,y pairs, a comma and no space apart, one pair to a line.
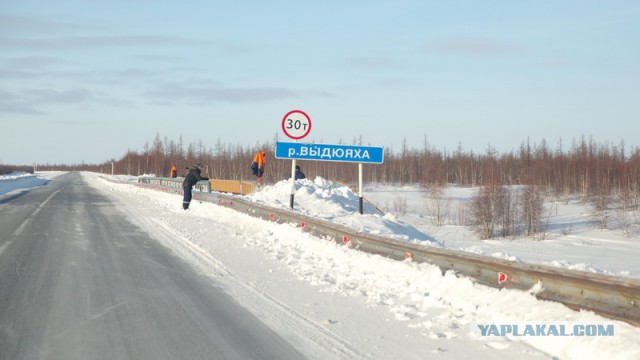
27,220
4,246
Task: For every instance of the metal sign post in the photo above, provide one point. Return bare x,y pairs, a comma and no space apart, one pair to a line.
360,192
293,182
296,124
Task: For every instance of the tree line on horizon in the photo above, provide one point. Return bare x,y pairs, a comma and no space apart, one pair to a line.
585,168
512,185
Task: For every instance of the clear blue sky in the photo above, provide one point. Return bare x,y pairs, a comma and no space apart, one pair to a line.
84,81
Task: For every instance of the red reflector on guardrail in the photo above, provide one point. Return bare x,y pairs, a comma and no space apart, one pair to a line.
502,278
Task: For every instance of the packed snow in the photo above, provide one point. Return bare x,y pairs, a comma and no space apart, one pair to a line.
330,201
373,307
17,183
571,240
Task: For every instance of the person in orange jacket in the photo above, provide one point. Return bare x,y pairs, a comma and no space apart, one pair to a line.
257,165
174,172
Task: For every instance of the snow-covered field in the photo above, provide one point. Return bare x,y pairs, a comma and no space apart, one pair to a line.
572,239
376,307
17,183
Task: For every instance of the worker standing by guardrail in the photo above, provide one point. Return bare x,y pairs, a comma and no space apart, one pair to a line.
191,179
257,165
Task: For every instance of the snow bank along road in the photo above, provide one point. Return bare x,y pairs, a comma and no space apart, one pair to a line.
79,281
617,298
410,292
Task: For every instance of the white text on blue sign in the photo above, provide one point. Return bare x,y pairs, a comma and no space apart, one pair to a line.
324,152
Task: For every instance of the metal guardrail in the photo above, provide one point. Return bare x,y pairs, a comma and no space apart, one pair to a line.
229,186
613,297
175,183
233,186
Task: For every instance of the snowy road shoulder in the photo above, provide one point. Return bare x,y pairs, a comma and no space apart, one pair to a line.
15,183
393,307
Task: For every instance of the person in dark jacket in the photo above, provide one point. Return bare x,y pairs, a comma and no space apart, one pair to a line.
299,174
192,177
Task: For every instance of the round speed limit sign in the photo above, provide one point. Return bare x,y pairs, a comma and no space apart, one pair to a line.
296,124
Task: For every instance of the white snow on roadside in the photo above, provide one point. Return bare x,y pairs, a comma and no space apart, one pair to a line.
19,182
330,201
421,309
572,239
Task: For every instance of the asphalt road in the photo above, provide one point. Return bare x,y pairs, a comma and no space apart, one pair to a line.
79,281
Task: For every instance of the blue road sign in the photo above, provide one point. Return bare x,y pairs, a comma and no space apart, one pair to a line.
324,152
